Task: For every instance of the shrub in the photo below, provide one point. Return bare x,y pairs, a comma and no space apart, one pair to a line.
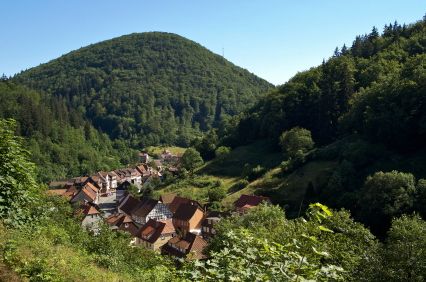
240,184
296,139
222,151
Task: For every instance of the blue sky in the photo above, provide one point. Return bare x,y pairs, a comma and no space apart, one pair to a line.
271,38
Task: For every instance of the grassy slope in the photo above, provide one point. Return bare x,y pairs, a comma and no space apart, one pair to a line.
157,150
227,170
283,189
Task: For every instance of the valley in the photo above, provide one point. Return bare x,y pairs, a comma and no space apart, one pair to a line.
147,157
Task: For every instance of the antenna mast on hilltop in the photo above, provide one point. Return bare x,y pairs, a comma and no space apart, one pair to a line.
223,52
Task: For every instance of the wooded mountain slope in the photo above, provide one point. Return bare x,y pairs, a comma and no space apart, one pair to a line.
148,88
374,88
61,142
366,109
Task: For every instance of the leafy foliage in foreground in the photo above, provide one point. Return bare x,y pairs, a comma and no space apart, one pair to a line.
264,245
18,187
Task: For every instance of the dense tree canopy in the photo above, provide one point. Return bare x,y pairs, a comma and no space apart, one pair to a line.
61,142
296,139
148,88
375,88
191,159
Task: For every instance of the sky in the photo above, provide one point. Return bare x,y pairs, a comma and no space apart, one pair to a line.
274,39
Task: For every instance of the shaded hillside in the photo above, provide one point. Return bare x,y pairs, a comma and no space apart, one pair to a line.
61,142
148,88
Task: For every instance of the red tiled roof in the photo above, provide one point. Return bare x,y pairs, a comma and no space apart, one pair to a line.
91,186
112,219
89,193
86,209
248,201
168,227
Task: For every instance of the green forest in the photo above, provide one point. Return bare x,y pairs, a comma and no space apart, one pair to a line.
339,149
148,88
61,141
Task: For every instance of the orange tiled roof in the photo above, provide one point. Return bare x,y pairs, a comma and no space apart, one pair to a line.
168,226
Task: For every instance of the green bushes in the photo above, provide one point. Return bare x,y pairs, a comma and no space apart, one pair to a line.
240,184
252,173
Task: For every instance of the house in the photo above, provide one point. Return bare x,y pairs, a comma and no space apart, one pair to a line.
79,181
91,216
143,168
167,157
150,209
144,157
88,194
188,218
121,191
246,202
155,233
177,201
131,175
113,180
101,180
124,223
208,224
127,204
190,246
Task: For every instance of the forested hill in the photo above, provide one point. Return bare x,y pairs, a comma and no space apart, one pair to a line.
148,88
365,108
374,87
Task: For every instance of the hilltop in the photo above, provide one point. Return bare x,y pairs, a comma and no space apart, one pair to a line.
148,88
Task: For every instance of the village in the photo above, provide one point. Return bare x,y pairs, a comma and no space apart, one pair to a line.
171,225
